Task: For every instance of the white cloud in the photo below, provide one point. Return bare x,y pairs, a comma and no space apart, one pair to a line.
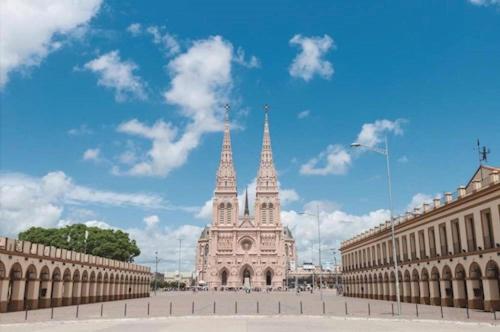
201,81
335,160
310,61
92,154
418,199
135,29
27,201
372,134
239,58
304,114
80,131
151,220
485,2
118,75
166,40
403,159
30,30
336,226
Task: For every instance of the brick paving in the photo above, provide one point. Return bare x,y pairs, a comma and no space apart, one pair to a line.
178,304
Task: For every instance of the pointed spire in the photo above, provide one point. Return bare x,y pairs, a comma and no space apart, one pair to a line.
247,211
226,175
266,178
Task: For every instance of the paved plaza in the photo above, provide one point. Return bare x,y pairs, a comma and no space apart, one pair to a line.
239,309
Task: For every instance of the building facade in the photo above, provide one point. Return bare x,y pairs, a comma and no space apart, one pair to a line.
448,252
36,276
245,251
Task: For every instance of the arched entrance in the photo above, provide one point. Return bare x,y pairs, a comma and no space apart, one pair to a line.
31,289
56,288
67,287
447,294
246,276
460,284
415,289
475,287
14,295
434,287
407,287
223,278
491,284
75,293
269,278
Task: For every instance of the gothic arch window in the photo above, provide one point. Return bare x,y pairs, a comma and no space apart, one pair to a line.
224,278
263,211
221,213
269,278
229,210
271,213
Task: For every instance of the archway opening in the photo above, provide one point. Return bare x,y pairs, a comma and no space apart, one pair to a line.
14,302
476,298
247,278
269,278
224,278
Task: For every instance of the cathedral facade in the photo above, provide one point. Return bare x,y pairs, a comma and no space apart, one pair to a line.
245,251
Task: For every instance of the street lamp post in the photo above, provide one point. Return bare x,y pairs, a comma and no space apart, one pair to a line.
335,271
385,152
156,270
319,250
179,267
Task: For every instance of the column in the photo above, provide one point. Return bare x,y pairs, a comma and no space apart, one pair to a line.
67,292
415,291
17,299
32,296
4,286
76,299
57,287
92,291
491,294
84,292
98,293
407,291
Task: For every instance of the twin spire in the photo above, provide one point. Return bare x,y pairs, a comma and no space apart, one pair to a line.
226,175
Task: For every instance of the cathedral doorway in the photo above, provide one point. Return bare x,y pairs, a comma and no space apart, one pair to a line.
224,278
269,278
246,278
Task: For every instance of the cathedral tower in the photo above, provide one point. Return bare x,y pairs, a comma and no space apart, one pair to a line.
225,202
267,202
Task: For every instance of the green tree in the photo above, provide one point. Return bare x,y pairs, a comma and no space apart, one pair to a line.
109,243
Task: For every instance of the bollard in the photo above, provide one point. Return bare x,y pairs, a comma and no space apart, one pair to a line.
416,308
192,308
392,309
125,310
77,309
26,314
324,309
369,311
235,307
102,307
467,310
279,307
301,307
52,313
441,311
257,306
148,308
346,308
170,308
214,307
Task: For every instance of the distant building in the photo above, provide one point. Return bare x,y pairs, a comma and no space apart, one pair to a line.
448,252
245,251
184,277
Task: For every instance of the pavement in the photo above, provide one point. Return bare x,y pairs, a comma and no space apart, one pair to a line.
251,324
275,311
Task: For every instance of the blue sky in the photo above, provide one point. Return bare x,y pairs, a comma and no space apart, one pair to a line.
111,115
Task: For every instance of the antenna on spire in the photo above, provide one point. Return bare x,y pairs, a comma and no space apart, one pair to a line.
226,113
266,110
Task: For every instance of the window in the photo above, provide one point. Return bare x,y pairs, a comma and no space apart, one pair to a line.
229,210
443,239
221,213
378,254
489,242
263,211
432,242
455,234
271,212
405,248
413,246
384,252
398,252
389,246
421,243
470,233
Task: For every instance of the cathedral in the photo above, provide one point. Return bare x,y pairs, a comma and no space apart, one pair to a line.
245,251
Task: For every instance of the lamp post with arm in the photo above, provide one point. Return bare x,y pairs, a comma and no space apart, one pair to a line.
385,152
